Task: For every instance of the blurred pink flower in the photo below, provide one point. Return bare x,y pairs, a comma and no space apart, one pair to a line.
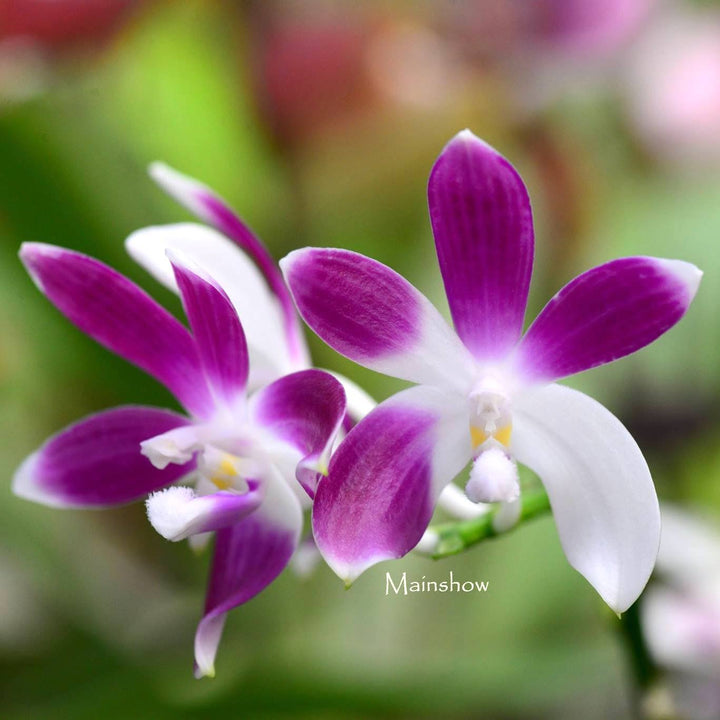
62,24
681,614
585,29
308,69
674,88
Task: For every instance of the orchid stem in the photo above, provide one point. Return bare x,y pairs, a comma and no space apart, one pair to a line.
456,537
651,700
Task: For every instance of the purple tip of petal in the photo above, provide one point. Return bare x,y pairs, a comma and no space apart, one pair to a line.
209,207
217,329
606,313
377,500
369,313
120,316
248,557
482,222
305,409
97,461
359,306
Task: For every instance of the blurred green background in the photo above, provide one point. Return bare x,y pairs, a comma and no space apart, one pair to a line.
319,122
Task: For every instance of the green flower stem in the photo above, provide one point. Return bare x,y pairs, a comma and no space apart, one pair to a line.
651,697
456,537
642,665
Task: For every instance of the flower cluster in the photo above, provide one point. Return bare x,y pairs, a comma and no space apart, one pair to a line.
265,436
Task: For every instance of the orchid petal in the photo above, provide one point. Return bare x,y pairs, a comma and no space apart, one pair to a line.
372,315
385,477
482,222
457,504
606,313
218,333
212,209
120,316
358,402
306,410
178,512
248,557
599,485
237,275
97,462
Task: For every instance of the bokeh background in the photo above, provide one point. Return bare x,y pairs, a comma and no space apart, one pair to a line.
319,122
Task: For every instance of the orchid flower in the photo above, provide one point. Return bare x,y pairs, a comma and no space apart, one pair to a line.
243,453
485,395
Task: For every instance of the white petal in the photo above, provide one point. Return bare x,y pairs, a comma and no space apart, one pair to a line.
239,277
599,485
428,543
306,559
507,515
456,503
358,402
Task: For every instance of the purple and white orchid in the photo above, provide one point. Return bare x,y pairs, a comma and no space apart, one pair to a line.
486,395
242,453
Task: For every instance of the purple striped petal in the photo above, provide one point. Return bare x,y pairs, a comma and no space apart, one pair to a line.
97,461
482,222
120,316
369,313
178,512
218,333
306,410
385,477
248,557
604,314
212,209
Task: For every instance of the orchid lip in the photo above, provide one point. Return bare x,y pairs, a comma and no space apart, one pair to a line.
493,477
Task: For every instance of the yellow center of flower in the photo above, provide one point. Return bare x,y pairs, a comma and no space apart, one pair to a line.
225,472
480,436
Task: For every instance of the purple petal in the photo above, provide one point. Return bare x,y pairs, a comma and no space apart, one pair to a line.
385,477
369,313
481,218
218,333
248,557
121,317
177,512
305,409
211,208
604,314
97,462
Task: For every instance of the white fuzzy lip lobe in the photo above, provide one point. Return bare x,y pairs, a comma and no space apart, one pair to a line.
493,478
